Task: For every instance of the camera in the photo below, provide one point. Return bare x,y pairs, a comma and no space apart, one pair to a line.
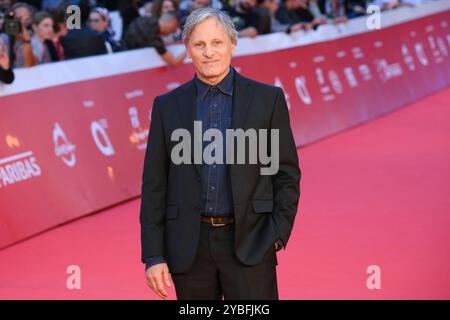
11,25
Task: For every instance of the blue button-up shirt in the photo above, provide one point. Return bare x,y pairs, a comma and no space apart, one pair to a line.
214,110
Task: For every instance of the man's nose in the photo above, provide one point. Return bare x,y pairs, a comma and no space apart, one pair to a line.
208,52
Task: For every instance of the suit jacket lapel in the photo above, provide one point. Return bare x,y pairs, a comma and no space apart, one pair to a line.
242,94
187,109
241,99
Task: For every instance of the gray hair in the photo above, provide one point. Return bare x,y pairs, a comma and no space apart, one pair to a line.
199,15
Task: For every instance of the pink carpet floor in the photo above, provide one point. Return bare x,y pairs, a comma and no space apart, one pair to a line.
377,194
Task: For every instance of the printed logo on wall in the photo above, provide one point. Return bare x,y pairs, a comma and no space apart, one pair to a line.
18,168
101,138
64,149
138,135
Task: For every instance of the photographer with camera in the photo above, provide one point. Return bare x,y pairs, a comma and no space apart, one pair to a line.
16,25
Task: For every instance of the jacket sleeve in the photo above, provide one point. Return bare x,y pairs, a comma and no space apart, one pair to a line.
6,76
286,181
149,262
154,189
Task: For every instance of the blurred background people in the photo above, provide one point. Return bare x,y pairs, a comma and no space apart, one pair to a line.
99,20
272,7
130,27
129,10
248,19
85,41
147,31
160,7
42,25
52,4
22,52
60,30
298,14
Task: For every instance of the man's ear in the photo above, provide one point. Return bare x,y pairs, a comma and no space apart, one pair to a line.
233,48
187,50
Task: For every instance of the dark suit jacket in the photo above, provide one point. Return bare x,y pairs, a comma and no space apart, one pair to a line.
83,42
264,206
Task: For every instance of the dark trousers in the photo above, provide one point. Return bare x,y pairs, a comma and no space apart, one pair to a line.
217,272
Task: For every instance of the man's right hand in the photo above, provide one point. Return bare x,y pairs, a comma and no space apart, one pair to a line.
158,276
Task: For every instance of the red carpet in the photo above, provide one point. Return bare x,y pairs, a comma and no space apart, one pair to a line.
373,195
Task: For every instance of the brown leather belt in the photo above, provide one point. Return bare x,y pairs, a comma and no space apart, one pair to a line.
217,221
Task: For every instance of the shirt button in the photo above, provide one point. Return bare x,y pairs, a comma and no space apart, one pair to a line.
212,188
210,208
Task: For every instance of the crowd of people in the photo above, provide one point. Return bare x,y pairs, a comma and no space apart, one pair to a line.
45,36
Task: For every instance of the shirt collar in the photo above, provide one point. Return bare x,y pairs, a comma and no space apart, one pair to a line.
225,85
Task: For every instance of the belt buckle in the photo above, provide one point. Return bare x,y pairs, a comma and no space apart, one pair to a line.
216,224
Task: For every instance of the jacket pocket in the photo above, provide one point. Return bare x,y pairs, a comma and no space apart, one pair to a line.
171,212
263,205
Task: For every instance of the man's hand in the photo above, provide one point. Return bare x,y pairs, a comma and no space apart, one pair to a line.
157,276
24,35
296,27
248,32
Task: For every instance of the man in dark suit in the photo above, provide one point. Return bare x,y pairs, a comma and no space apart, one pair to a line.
215,226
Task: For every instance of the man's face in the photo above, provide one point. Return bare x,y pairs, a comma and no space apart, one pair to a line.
167,28
44,29
211,49
97,22
167,6
24,15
